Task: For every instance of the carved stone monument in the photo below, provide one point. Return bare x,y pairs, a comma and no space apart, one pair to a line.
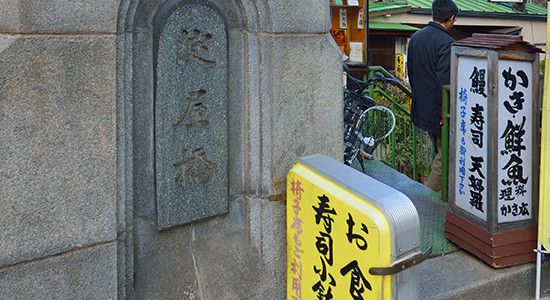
190,113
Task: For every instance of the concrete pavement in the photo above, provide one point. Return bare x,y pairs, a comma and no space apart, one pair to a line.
458,274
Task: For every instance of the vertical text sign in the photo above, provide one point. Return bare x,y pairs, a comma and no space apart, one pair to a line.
515,148
471,136
399,65
190,113
333,239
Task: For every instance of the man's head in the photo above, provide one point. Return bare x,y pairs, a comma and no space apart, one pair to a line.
442,10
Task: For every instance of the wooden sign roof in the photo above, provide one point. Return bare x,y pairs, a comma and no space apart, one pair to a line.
498,42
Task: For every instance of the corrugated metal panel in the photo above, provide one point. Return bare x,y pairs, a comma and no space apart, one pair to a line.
391,26
469,5
531,8
375,7
421,3
483,6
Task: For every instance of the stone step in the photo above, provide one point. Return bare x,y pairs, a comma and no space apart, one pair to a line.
460,275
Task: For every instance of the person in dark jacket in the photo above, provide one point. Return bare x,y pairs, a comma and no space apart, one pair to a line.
429,68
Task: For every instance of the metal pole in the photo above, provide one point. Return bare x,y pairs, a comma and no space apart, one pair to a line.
367,33
543,194
415,151
539,248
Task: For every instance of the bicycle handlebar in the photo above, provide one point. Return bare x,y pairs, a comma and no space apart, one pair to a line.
375,78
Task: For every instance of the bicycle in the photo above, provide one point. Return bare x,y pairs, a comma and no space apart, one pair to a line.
366,123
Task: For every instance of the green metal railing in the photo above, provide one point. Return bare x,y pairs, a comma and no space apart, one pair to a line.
409,149
445,143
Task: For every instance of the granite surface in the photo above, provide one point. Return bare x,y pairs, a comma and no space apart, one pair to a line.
57,133
58,16
191,114
81,127
307,113
298,16
82,274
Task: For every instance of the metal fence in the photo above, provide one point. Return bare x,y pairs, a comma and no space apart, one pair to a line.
408,149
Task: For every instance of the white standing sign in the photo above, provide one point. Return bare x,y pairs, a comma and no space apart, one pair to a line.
515,133
471,137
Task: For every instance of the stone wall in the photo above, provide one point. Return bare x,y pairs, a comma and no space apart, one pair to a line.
58,193
77,178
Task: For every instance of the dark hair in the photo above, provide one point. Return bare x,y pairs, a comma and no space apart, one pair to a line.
442,10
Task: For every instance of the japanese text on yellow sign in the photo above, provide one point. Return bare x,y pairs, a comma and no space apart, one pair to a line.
333,239
399,65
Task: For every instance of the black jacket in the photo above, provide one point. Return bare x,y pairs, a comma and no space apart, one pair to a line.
429,68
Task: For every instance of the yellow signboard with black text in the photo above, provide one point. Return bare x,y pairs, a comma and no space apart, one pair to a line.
334,237
399,65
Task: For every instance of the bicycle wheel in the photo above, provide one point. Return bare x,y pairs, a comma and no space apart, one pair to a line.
378,122
354,105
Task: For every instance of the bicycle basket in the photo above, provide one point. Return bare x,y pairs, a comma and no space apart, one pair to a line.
354,105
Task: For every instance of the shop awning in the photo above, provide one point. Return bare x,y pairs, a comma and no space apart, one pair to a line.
392,29
482,8
383,8
391,26
466,7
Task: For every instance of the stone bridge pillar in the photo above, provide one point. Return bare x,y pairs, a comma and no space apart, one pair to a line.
140,142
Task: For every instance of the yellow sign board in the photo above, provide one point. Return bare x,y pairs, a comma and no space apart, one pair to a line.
399,65
333,239
544,200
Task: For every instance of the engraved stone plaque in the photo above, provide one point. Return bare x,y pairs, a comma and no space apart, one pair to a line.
190,113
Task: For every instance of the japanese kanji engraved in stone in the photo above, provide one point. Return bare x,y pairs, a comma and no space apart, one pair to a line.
190,113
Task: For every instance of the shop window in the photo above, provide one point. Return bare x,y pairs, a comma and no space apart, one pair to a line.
382,51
